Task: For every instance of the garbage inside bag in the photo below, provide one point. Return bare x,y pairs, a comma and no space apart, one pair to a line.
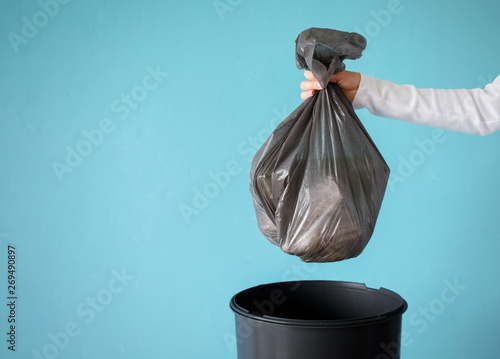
319,180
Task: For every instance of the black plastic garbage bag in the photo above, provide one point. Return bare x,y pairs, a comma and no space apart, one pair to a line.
319,180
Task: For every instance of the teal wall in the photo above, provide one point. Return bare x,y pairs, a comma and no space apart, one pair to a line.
126,134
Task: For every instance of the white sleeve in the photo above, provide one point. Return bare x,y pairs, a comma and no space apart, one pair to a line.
474,111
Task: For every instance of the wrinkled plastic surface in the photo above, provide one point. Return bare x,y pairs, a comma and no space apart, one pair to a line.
318,181
323,50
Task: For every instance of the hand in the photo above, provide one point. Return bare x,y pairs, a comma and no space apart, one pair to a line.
348,81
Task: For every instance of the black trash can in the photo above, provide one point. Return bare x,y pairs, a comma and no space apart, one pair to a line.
318,320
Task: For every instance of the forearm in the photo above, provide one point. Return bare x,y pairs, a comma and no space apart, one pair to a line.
474,111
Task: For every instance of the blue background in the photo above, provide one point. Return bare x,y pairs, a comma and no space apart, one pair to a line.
110,226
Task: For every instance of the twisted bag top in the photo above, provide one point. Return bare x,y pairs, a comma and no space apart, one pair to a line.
318,181
323,50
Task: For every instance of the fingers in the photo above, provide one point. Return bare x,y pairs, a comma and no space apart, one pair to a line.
309,75
347,81
310,85
306,94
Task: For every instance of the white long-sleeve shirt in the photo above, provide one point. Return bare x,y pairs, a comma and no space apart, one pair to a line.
475,111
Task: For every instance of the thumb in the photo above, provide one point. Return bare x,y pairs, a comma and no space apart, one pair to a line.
337,77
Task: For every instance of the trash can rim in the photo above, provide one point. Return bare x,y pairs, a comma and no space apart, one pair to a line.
397,311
